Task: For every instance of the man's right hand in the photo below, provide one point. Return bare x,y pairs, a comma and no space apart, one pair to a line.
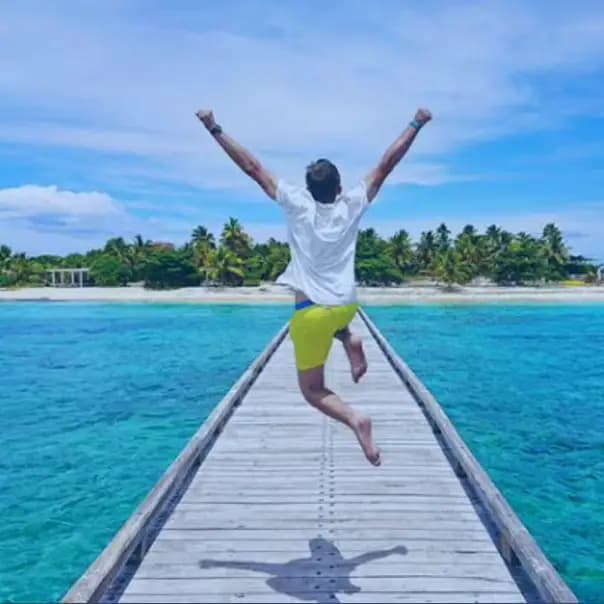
423,116
206,117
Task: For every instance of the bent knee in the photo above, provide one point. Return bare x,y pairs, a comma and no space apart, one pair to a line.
310,393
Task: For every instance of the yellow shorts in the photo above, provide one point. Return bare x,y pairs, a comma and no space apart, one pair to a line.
312,330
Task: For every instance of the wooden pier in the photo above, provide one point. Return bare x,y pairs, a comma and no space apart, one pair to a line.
272,502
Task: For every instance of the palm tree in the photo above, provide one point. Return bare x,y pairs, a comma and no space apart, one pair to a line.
204,256
117,247
425,251
468,245
555,252
235,239
491,247
201,236
369,243
225,267
401,250
5,256
493,233
505,238
203,244
449,269
20,268
524,238
136,255
443,241
140,243
124,253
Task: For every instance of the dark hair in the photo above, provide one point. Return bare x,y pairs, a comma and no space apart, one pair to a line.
323,181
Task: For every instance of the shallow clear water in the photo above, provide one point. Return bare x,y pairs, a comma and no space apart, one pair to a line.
97,399
524,385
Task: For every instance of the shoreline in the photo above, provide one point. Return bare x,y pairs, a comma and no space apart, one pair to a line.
272,294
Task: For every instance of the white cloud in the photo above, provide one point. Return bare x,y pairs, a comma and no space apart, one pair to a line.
124,85
49,220
32,201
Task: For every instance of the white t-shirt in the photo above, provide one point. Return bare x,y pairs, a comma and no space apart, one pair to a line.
322,239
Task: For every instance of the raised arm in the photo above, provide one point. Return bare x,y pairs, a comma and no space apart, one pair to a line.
241,156
375,179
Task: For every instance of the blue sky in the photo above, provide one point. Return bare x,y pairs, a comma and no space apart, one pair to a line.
98,137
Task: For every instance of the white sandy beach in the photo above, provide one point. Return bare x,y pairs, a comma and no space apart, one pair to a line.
412,294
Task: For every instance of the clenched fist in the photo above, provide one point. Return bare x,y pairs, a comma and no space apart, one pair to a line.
206,117
423,116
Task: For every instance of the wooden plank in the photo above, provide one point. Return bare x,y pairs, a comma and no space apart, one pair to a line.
258,585
188,552
197,543
304,534
159,566
365,597
439,509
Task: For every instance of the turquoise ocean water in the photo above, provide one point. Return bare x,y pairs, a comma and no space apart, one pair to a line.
97,399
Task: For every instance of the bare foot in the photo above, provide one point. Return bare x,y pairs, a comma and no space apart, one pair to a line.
356,355
362,430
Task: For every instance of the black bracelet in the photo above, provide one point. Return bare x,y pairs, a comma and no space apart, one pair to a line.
215,129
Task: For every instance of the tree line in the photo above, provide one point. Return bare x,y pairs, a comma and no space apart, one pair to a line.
234,259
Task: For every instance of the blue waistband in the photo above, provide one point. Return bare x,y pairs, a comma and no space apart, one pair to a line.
304,304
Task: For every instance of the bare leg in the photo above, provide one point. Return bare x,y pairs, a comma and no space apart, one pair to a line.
353,345
313,388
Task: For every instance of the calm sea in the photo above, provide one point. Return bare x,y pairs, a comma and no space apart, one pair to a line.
97,399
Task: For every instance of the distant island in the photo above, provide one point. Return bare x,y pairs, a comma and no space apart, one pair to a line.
234,260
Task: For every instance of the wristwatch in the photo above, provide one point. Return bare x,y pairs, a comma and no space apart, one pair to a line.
215,129
415,124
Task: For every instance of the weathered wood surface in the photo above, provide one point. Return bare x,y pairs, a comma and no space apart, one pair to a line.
285,508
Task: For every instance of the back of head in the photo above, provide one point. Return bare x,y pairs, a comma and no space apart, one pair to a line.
323,181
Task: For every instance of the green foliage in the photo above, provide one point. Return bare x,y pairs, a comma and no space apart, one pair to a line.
375,264
201,236
469,248
520,261
235,239
109,271
17,269
400,249
443,239
425,253
236,260
165,269
555,253
450,269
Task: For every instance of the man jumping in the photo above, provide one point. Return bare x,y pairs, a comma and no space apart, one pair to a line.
323,225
